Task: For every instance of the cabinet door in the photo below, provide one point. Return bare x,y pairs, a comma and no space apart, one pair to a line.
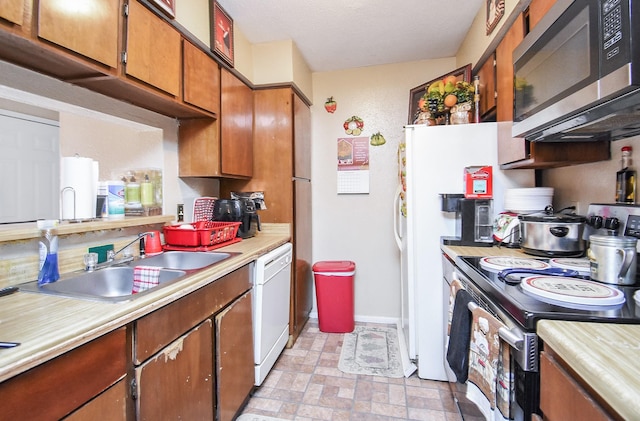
90,29
177,383
198,148
58,387
504,70
235,372
153,50
236,126
487,76
562,397
109,405
201,79
537,9
11,10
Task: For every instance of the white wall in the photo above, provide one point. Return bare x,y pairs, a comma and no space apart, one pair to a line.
359,227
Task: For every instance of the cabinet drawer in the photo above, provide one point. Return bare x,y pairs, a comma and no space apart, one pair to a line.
562,398
55,388
156,330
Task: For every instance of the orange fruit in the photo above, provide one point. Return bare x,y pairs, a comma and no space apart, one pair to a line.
450,100
450,78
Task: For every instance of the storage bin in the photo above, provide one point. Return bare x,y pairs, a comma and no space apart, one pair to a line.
334,295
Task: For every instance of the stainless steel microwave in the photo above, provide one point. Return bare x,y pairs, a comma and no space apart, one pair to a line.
577,73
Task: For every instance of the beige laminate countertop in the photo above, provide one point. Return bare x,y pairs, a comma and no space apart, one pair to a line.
47,326
456,251
605,356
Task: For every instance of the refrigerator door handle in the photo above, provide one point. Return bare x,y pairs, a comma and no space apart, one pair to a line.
396,217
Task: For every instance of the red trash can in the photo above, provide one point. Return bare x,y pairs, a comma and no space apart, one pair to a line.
334,295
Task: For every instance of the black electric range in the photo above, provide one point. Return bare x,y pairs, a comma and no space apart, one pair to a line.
526,309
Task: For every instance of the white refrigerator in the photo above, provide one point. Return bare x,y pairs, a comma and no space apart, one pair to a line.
431,161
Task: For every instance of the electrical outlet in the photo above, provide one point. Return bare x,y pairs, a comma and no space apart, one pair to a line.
180,212
576,205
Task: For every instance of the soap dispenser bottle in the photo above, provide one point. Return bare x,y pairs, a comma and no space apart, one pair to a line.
48,249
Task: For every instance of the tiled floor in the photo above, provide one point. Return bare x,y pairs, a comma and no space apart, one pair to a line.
306,384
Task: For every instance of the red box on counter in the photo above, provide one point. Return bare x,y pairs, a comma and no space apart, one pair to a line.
478,182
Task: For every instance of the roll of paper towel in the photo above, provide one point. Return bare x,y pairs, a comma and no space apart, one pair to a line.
79,183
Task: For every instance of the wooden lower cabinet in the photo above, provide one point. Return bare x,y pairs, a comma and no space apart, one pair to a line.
234,357
193,358
58,387
562,397
177,383
109,405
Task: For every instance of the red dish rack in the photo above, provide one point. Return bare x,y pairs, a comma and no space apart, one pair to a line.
204,236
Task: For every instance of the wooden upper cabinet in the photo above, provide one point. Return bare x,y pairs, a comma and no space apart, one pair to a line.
89,28
201,84
487,77
153,50
537,9
504,70
12,11
236,126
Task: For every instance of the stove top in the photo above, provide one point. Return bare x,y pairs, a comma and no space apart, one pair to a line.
527,309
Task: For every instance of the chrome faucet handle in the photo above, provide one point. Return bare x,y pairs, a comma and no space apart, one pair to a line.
111,255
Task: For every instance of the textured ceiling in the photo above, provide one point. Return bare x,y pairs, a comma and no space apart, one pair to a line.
342,34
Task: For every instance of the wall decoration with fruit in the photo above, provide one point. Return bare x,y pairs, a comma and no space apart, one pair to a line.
330,105
377,139
424,98
353,125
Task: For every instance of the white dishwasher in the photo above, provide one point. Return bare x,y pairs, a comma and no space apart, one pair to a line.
271,286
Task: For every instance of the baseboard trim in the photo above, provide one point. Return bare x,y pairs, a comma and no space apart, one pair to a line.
365,319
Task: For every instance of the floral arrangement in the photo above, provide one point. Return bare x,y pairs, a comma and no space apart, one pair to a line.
443,94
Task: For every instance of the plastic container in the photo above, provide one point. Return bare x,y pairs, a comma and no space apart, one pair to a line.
115,199
48,250
334,295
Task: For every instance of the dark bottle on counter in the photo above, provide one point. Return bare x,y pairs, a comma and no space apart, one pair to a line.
626,179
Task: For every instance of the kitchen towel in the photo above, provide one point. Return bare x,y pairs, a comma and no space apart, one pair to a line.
79,185
490,381
459,336
145,277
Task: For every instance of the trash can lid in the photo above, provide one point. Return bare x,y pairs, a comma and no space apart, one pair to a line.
334,266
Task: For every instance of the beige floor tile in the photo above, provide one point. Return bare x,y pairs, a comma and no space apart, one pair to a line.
306,384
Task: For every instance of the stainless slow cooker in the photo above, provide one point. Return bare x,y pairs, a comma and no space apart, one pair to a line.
549,235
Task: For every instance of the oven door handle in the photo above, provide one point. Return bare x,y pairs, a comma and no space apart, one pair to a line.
514,340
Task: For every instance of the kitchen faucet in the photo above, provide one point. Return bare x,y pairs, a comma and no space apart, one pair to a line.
111,255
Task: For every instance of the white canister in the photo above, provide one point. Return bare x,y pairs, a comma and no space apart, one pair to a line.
613,259
115,199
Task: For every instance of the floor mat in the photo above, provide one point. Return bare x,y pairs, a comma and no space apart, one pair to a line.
372,351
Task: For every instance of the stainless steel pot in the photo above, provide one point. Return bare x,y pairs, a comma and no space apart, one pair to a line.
551,235
613,259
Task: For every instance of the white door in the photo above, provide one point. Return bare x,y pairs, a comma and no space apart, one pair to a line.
29,168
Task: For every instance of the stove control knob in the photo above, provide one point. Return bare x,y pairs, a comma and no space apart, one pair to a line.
595,221
611,223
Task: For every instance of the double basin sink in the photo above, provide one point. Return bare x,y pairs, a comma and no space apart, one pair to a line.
115,283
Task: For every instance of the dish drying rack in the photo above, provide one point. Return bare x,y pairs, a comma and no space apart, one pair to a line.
202,236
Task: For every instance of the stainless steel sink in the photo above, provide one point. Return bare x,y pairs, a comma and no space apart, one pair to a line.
115,283
109,284
184,260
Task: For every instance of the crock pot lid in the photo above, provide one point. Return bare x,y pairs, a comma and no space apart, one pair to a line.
557,217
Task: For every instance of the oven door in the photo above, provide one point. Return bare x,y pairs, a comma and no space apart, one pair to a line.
523,346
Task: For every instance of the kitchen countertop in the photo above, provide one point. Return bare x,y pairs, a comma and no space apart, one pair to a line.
47,326
605,356
455,251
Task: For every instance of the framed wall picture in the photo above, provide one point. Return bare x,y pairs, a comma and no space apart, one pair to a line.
167,6
462,74
495,10
221,33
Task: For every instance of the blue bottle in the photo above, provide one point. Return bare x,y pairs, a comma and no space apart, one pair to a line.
48,249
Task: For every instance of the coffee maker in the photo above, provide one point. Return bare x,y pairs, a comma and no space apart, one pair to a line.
474,220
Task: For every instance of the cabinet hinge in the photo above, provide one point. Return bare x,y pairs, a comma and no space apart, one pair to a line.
123,57
134,389
495,63
125,10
